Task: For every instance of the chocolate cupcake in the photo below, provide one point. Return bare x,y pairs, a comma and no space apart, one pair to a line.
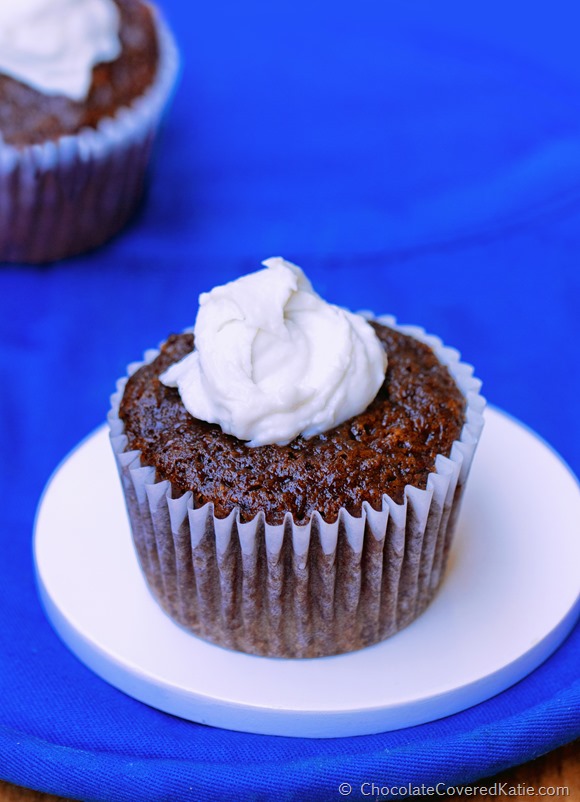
293,472
83,84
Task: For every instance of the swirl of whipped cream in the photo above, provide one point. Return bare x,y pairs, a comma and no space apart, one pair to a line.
53,45
272,360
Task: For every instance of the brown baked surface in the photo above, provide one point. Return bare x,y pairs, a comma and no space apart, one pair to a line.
417,414
28,116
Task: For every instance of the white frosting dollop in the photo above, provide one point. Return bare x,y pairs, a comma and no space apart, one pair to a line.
53,45
272,360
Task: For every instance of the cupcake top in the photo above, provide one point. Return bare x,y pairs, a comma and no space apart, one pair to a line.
53,45
273,360
67,64
416,413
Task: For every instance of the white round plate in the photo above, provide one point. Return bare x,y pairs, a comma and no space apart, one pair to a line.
510,596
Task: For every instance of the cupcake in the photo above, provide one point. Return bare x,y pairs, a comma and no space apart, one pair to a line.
83,84
293,471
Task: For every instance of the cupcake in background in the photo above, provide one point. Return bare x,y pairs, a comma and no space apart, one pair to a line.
83,85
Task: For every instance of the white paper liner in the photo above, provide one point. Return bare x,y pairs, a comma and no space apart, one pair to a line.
65,196
299,590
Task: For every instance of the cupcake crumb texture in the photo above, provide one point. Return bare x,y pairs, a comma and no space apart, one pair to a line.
417,414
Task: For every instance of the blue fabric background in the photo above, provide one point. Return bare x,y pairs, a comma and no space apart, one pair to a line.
420,159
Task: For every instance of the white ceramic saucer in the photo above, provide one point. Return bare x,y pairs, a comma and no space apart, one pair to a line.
510,596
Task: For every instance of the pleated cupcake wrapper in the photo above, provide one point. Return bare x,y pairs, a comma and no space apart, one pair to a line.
65,196
294,590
